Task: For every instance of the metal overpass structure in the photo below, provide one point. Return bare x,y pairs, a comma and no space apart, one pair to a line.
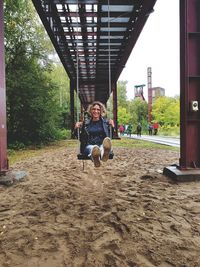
90,36
94,38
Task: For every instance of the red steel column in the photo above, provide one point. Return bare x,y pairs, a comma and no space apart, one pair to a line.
72,107
3,130
190,84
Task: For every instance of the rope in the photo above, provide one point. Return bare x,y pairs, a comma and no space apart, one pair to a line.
77,80
109,65
77,71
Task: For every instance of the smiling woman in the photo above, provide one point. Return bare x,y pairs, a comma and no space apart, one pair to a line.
95,134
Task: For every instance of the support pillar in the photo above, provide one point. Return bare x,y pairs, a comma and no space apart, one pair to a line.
3,129
149,81
72,107
190,84
115,118
189,164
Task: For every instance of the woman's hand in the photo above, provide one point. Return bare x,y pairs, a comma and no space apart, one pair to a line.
111,123
78,125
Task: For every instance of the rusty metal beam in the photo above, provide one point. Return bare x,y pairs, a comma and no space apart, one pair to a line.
3,129
189,163
190,83
89,14
87,26
48,24
103,2
72,117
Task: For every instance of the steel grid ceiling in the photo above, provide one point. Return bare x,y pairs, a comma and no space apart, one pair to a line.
99,35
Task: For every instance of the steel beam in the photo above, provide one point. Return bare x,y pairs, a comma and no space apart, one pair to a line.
189,163
3,129
190,84
72,107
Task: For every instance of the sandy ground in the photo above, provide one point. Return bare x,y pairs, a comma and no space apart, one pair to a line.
125,213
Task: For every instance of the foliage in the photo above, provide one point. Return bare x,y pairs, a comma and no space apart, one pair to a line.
31,108
168,130
123,116
33,95
165,110
63,134
138,110
22,31
130,111
121,93
61,79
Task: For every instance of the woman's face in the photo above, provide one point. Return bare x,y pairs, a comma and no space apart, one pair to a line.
96,112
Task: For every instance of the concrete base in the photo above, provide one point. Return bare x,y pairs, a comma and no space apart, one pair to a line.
11,177
182,175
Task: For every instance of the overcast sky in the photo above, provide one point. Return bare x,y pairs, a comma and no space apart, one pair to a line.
158,48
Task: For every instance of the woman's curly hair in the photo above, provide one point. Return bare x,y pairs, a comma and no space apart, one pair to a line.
102,108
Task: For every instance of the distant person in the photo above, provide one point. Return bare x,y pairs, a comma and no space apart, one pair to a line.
129,130
155,128
124,129
139,129
150,129
121,130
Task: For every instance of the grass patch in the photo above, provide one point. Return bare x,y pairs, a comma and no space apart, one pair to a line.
30,152
133,143
18,155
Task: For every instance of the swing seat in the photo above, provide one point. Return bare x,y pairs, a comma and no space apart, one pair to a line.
81,156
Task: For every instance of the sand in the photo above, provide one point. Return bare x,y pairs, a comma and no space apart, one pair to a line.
125,213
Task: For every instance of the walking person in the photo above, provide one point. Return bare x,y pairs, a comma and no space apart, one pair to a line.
150,129
121,130
139,129
129,130
155,128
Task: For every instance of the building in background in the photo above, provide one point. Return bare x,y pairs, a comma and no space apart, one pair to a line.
157,92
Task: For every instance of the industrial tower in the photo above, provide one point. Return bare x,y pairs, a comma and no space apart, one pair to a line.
149,87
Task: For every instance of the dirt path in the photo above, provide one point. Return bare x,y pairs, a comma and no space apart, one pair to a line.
126,213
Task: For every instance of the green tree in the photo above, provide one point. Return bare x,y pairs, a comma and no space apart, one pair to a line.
138,110
165,110
121,94
22,29
123,116
61,79
33,112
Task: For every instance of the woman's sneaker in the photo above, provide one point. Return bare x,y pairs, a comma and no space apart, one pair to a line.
106,148
95,155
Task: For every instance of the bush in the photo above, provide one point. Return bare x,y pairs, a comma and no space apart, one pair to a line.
168,130
16,146
63,134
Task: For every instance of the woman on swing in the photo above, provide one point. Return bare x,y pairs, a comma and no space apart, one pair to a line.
95,133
